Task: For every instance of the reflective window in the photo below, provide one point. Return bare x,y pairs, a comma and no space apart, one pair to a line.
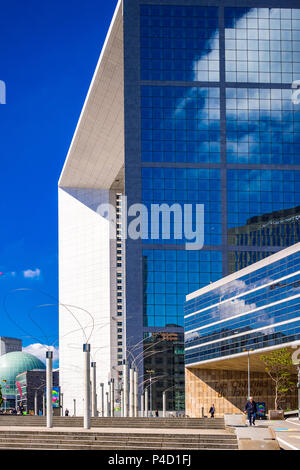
183,186
180,124
262,126
263,207
257,310
179,43
262,45
169,275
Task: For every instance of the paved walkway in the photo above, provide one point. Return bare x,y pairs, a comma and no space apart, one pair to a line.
287,432
118,430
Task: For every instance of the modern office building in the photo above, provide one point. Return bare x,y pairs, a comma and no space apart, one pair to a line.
8,345
191,103
244,315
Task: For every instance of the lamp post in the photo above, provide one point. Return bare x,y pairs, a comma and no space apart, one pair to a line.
35,403
94,395
102,398
49,385
125,387
86,386
74,406
249,387
150,372
62,403
296,362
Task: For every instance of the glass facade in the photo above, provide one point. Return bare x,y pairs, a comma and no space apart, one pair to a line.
180,124
169,275
253,311
179,43
262,45
218,126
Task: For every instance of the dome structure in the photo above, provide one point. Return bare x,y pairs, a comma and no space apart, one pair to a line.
14,363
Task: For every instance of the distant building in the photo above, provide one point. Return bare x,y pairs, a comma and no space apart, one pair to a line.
248,313
31,382
8,345
11,365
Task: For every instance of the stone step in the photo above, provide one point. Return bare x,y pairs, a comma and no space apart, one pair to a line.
25,444
126,437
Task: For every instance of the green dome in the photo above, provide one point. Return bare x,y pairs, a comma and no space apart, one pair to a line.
14,363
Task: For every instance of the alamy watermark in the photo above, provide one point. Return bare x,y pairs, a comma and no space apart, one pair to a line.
157,222
2,92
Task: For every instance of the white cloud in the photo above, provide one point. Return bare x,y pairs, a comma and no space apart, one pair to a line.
32,274
39,350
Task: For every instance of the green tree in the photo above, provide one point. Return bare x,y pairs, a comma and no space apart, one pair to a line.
1,398
279,367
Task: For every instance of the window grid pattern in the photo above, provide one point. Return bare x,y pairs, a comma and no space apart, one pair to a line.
180,124
237,310
179,43
184,186
169,275
262,45
262,126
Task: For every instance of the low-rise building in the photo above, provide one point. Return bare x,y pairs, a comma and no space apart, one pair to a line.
229,324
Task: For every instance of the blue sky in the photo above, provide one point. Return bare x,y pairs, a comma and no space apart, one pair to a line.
48,53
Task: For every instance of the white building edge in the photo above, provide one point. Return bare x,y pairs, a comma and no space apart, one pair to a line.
92,174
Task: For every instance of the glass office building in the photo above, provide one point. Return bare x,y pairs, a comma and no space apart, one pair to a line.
256,309
191,103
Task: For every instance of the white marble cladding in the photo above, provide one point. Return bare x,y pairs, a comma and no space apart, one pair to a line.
84,283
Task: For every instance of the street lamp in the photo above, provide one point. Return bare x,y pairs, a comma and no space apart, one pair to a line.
150,372
248,350
296,362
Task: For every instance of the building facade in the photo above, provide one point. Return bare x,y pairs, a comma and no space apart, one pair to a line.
8,345
250,312
191,103
32,384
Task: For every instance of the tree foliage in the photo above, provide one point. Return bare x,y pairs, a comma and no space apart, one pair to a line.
279,367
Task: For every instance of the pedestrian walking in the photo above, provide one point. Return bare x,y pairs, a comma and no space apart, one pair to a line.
250,409
67,412
212,410
21,408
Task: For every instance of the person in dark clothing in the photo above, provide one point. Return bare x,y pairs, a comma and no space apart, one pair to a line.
251,409
21,408
66,412
156,413
212,411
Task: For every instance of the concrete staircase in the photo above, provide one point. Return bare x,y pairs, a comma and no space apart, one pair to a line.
169,423
68,440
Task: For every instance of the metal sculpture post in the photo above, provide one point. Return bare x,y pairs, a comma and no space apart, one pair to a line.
86,386
112,397
296,362
122,403
94,394
107,404
102,398
49,387
125,387
164,404
146,402
74,406
142,404
131,393
35,403
136,392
